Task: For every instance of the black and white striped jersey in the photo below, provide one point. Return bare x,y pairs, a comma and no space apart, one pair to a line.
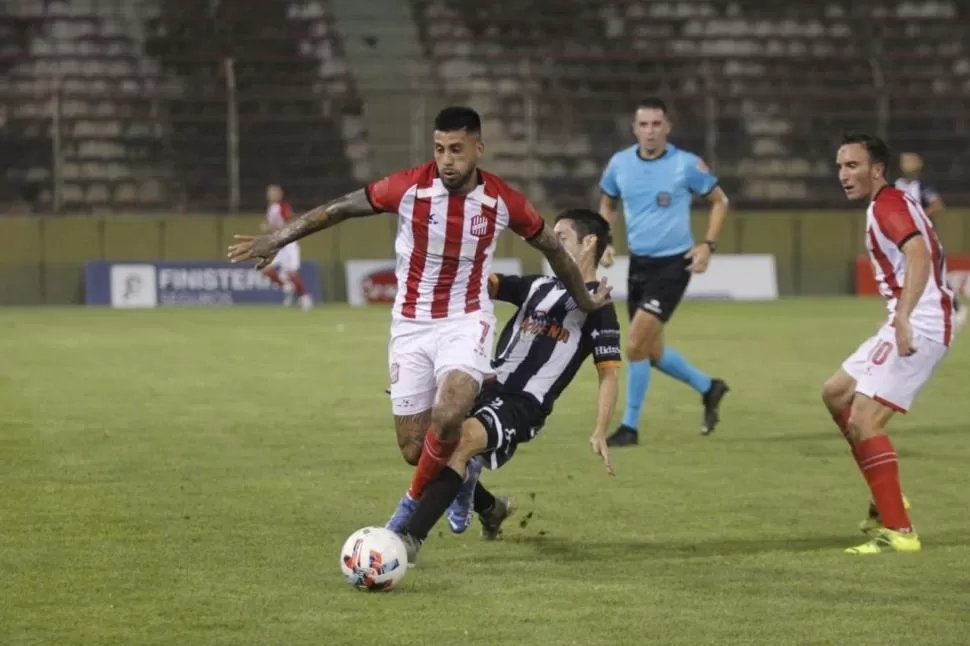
542,347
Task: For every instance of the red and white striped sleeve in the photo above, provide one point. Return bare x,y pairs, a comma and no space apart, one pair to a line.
385,194
893,217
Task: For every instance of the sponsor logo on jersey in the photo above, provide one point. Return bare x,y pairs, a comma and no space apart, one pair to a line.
606,350
538,324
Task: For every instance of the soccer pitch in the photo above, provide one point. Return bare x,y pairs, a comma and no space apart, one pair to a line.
188,477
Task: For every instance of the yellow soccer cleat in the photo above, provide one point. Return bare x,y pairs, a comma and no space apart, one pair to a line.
873,522
888,540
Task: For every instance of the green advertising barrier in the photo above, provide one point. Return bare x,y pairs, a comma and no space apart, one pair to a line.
44,257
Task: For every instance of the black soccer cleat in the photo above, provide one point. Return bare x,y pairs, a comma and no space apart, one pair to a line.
712,402
624,436
493,518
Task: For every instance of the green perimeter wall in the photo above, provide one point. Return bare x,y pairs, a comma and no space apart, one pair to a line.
43,259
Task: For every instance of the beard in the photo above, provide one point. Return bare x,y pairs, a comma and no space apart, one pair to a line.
456,182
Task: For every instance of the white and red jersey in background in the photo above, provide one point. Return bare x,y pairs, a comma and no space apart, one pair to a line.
893,218
446,242
279,214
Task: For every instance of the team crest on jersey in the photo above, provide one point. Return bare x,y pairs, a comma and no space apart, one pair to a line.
663,199
479,225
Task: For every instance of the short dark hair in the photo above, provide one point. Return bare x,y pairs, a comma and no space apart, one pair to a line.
652,103
878,149
588,222
458,118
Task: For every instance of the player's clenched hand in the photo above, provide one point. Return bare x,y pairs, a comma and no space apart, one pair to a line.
608,256
599,298
699,257
904,337
261,248
598,443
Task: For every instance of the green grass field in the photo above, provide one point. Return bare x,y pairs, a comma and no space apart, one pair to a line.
188,477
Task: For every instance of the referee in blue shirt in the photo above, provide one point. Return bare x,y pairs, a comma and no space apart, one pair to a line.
656,182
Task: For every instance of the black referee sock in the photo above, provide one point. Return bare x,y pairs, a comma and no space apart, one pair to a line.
434,503
484,500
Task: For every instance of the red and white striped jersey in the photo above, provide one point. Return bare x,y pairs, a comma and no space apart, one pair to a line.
892,220
445,242
278,214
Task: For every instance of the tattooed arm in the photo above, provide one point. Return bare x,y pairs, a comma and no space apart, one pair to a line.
264,247
351,205
568,271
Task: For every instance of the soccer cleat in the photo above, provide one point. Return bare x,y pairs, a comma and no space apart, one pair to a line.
888,540
712,401
412,546
460,511
873,522
492,519
306,302
402,514
624,436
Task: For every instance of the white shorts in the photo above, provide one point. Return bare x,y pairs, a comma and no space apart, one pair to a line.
892,380
288,259
421,352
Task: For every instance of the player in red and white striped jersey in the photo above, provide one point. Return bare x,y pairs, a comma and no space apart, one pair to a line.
450,215
886,373
284,270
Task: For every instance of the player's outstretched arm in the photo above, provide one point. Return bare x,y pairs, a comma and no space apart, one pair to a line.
352,205
605,408
568,271
609,207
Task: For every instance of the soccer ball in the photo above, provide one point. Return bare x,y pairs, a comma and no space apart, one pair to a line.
374,559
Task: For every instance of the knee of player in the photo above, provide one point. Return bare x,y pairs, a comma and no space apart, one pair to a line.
832,393
637,351
411,453
447,417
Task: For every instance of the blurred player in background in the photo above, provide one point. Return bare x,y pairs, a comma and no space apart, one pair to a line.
888,370
911,182
285,268
450,214
656,181
540,351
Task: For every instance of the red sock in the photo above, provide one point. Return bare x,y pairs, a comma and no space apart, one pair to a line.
880,465
298,285
273,275
435,455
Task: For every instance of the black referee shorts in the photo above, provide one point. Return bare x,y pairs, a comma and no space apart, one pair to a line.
656,285
509,420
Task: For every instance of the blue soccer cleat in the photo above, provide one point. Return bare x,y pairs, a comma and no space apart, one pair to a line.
460,511
402,514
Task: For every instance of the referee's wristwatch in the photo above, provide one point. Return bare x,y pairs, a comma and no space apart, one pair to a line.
712,244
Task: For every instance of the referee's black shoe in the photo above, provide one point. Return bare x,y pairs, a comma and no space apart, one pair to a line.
624,436
712,401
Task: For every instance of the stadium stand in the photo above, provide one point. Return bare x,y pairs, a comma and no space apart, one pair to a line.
757,87
143,102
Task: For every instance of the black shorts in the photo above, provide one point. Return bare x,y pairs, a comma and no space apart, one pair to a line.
509,420
656,285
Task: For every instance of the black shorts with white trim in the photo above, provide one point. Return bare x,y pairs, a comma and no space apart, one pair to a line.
509,419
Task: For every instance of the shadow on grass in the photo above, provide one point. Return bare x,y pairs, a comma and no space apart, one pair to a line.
822,432
563,549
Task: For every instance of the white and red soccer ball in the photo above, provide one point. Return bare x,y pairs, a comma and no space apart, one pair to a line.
374,559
